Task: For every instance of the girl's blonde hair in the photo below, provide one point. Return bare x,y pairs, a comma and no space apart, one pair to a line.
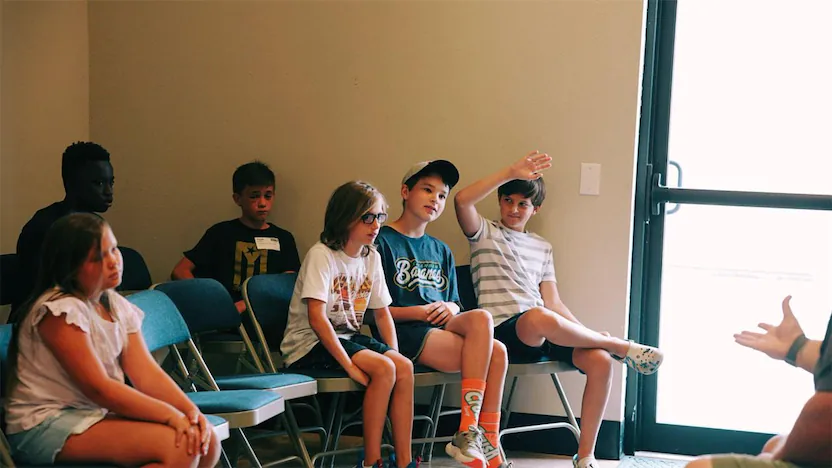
346,206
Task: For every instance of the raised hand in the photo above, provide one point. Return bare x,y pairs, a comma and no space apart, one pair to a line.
777,340
530,166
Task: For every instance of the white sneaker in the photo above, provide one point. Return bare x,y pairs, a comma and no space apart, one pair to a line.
585,462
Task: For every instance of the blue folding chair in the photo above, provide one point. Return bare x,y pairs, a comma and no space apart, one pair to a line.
206,306
267,300
163,327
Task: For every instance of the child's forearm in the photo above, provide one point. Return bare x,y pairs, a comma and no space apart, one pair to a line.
164,388
386,328
474,193
409,313
131,403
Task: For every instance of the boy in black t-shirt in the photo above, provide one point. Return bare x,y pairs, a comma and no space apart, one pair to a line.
232,251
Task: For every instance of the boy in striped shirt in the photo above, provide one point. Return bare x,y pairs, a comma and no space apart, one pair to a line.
514,277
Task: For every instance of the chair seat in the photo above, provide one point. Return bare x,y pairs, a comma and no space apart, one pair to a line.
220,426
289,386
539,366
241,408
424,376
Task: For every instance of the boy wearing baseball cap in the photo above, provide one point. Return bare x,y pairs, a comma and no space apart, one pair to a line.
421,278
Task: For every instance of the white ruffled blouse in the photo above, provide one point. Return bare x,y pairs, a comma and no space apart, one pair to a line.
44,388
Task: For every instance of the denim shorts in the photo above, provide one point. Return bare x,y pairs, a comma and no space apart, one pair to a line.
42,443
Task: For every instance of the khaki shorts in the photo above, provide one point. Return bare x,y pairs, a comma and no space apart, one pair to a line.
747,461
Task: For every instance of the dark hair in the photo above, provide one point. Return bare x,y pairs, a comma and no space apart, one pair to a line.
346,205
66,247
77,155
534,189
253,174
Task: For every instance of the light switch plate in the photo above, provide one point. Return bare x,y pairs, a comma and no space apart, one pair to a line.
590,179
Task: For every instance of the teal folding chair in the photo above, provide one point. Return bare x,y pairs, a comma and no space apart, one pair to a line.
206,306
163,327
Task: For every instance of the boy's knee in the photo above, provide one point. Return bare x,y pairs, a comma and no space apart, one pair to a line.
481,319
404,369
598,362
384,371
499,354
542,317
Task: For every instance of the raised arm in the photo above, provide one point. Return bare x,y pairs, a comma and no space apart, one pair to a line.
528,168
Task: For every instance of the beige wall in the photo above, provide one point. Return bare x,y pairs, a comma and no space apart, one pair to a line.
183,92
45,104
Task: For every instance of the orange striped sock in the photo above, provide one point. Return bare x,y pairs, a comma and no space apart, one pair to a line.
472,391
490,424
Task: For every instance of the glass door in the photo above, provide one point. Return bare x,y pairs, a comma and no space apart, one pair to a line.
734,200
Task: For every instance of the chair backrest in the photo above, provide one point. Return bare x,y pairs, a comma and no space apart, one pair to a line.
5,341
204,304
9,274
162,325
465,285
268,297
136,275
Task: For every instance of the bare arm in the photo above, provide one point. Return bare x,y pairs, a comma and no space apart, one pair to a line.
808,443
183,270
777,340
74,351
529,168
326,333
409,313
384,322
553,302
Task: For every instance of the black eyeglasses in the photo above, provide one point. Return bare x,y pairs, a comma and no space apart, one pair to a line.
370,217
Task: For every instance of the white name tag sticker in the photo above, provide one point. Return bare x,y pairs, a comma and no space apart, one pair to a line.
267,243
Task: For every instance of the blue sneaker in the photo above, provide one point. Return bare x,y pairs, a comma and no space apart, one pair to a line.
391,462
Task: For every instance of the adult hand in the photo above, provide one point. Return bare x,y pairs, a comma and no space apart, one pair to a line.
777,340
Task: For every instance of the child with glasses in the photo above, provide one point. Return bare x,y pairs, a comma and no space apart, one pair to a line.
340,279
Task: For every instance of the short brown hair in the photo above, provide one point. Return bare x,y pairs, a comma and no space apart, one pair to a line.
534,189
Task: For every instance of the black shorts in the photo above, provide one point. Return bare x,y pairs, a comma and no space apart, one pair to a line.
521,353
319,358
412,337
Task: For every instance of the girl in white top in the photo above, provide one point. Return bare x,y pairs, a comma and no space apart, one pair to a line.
77,339
340,279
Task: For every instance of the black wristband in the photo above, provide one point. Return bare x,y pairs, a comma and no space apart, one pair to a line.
797,345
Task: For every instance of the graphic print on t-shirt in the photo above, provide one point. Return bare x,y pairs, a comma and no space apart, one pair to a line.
246,258
412,273
347,314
